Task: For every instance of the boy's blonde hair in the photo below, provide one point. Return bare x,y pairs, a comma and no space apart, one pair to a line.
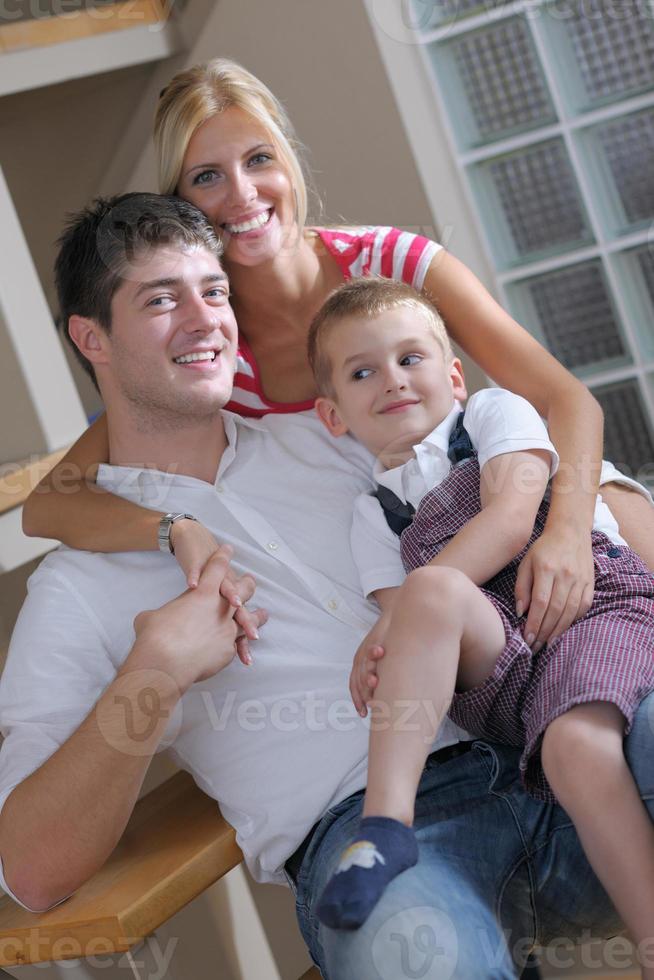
195,95
365,297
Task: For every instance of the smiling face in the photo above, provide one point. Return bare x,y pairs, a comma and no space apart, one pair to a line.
391,379
234,174
172,347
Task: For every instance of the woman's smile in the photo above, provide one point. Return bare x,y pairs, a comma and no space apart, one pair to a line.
247,223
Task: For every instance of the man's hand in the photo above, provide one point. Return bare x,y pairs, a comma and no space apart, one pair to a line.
555,583
194,544
363,677
195,635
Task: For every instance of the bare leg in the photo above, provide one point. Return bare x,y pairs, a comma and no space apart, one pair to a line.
635,517
443,629
584,762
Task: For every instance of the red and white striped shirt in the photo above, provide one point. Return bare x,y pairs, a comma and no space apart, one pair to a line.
362,251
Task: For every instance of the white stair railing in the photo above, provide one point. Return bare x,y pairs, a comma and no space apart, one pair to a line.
39,405
40,409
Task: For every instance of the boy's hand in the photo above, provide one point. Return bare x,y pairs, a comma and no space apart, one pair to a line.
193,546
363,677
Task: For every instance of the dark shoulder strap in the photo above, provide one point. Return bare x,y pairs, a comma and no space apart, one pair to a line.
398,515
460,447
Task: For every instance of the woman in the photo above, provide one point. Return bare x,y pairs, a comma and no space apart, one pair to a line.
225,144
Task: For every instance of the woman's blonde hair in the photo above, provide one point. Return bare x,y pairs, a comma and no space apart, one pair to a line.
195,95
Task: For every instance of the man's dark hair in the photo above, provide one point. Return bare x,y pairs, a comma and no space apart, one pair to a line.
100,241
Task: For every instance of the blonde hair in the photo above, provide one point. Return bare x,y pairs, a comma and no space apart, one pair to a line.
195,95
365,297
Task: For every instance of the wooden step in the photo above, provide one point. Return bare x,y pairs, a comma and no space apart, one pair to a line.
17,480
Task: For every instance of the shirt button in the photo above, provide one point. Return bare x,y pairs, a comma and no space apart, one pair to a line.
220,488
273,546
332,604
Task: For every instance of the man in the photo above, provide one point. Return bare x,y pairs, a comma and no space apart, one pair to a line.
87,698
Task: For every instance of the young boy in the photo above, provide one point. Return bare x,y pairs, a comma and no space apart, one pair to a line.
477,483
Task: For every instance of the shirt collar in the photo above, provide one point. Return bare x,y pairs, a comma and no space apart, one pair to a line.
438,442
150,487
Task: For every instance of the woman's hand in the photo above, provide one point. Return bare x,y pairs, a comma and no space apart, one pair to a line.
193,546
194,636
555,583
363,677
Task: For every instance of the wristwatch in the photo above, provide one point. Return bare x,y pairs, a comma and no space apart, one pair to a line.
165,524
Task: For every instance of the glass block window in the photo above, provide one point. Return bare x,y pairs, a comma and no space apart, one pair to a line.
614,47
628,144
427,14
645,258
539,197
457,8
502,79
576,315
551,113
628,439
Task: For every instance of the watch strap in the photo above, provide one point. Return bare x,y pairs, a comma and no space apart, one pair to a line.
163,535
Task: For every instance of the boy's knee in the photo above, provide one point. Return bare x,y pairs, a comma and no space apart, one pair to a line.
580,737
438,587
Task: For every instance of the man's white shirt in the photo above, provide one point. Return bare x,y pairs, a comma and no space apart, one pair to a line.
276,743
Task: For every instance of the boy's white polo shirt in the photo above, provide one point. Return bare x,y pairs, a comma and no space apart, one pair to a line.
497,422
277,743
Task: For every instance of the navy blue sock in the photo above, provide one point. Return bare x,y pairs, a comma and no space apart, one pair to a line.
384,847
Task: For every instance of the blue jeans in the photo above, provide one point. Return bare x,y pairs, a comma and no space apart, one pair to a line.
498,872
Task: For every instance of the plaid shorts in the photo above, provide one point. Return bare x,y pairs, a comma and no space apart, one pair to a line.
607,655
